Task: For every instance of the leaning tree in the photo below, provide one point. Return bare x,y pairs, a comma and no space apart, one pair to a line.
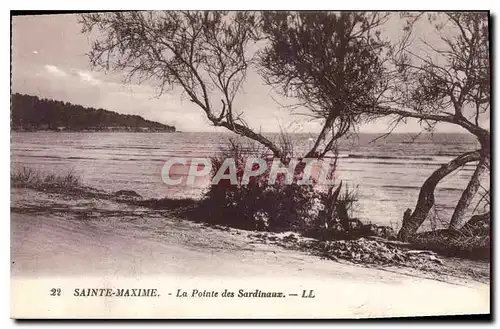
334,64
445,81
354,76
208,54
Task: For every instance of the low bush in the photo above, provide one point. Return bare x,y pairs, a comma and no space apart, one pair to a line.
264,207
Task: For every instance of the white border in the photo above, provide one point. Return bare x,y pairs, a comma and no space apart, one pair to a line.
148,4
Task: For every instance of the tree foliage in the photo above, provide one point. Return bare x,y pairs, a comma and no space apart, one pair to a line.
447,80
327,61
208,54
204,53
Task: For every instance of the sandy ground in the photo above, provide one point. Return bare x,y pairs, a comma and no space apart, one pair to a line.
53,237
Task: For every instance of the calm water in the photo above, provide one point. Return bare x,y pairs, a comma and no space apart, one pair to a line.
388,172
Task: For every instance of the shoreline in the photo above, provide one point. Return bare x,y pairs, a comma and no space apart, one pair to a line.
439,241
52,239
405,258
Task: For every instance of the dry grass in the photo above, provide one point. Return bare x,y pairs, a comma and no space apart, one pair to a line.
29,178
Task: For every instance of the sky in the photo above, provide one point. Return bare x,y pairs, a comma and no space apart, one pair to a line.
49,60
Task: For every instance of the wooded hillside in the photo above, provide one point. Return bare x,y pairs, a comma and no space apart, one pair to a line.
30,113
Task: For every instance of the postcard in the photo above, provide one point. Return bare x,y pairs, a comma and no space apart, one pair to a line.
250,165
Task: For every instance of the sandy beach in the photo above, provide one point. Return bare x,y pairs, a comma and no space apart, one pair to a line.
54,236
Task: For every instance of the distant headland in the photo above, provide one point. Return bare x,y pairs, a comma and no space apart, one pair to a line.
31,113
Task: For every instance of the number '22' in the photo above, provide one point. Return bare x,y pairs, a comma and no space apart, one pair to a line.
55,292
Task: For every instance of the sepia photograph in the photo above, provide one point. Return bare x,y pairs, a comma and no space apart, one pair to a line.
250,164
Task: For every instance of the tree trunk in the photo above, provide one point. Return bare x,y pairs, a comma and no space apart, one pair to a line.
426,197
249,133
468,194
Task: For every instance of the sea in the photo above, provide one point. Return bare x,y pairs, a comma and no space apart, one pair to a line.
386,173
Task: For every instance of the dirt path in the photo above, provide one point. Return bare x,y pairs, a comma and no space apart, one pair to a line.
145,244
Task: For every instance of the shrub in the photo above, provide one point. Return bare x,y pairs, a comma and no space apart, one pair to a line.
259,205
